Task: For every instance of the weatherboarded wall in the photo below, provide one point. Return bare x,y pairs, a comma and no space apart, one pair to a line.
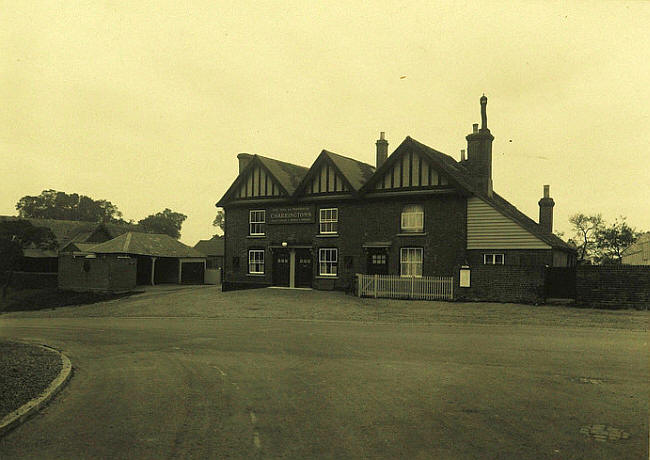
613,286
105,273
504,283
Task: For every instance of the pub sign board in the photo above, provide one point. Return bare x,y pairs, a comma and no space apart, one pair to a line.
292,215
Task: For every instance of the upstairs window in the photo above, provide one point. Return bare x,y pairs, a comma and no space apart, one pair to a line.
413,218
329,220
411,262
493,259
328,261
257,220
256,261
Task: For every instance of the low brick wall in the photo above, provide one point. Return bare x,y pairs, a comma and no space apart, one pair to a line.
613,286
504,283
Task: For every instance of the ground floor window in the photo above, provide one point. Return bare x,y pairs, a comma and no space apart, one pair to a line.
328,261
256,261
411,262
493,259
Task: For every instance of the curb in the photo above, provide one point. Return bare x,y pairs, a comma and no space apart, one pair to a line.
20,415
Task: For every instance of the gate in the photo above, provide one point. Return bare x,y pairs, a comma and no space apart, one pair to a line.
560,283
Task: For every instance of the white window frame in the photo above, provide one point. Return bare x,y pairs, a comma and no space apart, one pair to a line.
494,259
412,218
256,261
252,223
409,265
328,225
328,259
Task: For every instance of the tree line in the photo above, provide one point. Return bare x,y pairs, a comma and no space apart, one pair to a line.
53,204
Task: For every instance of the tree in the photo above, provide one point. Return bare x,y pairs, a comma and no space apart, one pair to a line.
585,228
220,222
167,222
52,204
16,235
611,241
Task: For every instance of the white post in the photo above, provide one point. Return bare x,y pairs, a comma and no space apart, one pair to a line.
153,270
376,282
180,270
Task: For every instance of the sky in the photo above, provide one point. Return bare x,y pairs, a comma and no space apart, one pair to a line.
146,104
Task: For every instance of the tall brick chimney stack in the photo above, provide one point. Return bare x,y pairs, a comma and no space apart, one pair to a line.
546,211
382,149
479,151
244,159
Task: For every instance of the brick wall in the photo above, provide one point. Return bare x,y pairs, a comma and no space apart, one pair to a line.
504,283
359,222
105,273
613,286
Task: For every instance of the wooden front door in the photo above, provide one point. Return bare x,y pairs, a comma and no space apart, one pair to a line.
377,261
304,268
281,267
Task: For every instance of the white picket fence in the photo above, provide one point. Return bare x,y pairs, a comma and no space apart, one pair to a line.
398,287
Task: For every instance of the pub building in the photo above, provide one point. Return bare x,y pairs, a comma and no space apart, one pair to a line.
417,212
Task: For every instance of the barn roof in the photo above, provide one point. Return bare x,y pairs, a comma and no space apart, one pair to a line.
146,244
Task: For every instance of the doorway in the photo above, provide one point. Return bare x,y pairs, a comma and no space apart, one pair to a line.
304,268
281,267
377,261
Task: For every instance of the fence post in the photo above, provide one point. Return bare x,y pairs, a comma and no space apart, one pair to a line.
358,278
375,282
412,283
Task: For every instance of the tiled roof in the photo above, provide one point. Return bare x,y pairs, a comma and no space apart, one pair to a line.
146,244
356,172
288,174
211,247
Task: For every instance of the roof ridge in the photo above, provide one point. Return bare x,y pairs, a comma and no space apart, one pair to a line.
127,241
347,158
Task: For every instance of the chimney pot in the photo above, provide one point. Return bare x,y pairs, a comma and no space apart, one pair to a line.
462,155
382,136
547,191
475,128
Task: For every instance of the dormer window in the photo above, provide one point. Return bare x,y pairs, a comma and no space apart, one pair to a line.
329,221
412,220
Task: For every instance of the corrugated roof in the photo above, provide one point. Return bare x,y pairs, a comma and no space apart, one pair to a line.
146,244
211,247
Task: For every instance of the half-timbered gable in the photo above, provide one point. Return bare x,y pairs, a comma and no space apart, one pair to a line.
258,183
334,174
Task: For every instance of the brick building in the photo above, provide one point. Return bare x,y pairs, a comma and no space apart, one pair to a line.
417,212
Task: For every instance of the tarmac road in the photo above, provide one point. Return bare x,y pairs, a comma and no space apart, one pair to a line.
277,388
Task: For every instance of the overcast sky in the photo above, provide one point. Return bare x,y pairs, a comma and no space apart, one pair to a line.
147,103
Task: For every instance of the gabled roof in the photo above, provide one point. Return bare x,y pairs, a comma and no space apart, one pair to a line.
211,247
444,163
146,244
463,179
356,173
287,175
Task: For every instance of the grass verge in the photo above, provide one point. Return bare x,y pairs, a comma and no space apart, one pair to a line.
25,372
38,299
